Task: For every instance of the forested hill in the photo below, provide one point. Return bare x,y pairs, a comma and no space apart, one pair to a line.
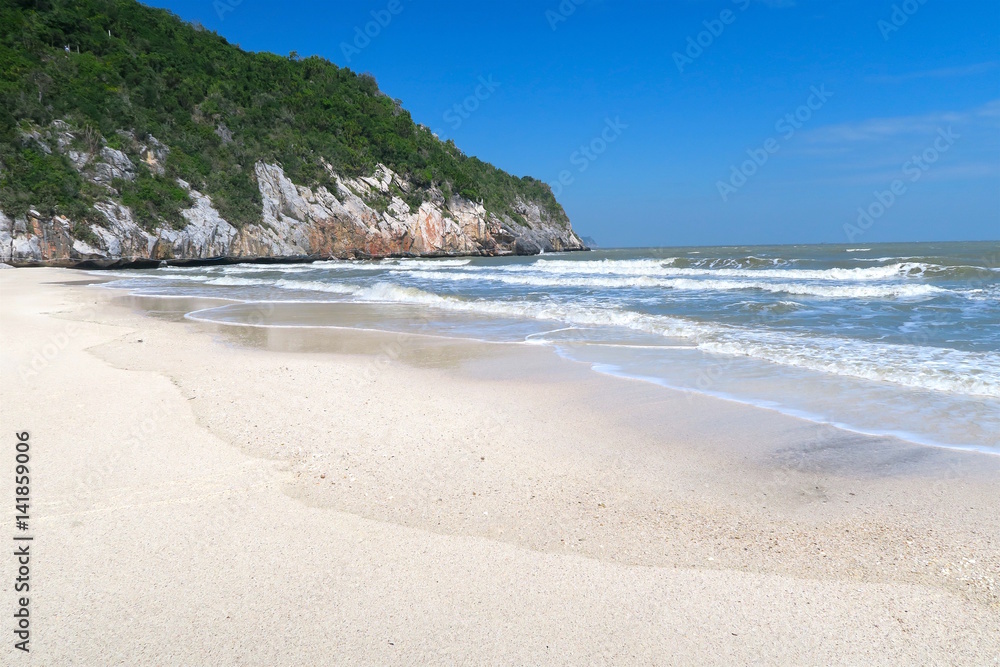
78,77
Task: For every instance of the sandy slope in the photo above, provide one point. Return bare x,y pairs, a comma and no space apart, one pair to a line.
199,501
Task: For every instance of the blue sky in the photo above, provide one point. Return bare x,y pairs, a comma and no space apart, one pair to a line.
691,122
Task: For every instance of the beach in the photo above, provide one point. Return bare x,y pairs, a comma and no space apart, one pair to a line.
209,493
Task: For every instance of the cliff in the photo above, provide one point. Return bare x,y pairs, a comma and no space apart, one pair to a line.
129,135
356,218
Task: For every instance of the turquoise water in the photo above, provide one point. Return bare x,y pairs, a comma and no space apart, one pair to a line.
899,339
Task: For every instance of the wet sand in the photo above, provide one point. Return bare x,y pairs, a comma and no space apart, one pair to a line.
210,494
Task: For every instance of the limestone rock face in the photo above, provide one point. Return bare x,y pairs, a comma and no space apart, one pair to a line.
154,154
364,217
113,164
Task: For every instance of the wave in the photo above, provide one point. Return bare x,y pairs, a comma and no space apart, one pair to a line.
658,268
821,416
918,367
823,305
432,262
568,268
152,276
773,308
316,286
268,268
915,366
830,291
748,262
890,291
337,265
233,281
661,268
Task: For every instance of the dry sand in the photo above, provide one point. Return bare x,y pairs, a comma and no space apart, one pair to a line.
225,496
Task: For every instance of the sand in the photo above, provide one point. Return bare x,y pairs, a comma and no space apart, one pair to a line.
208,495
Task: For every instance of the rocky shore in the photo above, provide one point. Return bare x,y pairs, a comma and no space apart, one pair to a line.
359,218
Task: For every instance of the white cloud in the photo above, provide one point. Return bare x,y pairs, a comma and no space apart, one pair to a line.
879,129
940,73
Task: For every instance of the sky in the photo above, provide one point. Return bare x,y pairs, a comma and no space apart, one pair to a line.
690,122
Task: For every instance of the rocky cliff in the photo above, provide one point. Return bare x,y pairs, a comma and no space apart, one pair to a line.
358,218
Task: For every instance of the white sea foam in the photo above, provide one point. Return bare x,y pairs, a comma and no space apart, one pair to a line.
234,281
315,286
268,268
154,276
858,291
658,268
182,269
435,263
937,369
828,328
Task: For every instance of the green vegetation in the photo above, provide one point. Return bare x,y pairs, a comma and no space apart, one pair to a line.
218,108
151,198
33,178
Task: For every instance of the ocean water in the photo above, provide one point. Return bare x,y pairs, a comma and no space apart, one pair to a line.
897,339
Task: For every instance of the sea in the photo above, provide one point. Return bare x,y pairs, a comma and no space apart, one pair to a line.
882,339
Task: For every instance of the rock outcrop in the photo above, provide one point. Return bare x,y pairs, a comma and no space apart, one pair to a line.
363,217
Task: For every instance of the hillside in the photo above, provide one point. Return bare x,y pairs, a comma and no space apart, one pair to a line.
126,132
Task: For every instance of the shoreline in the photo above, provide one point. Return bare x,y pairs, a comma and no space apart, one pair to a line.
596,367
608,518
120,263
794,413
601,367
130,295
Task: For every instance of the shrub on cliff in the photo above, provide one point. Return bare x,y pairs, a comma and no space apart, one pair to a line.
117,65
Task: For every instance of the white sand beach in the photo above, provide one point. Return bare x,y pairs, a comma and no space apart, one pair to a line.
224,496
